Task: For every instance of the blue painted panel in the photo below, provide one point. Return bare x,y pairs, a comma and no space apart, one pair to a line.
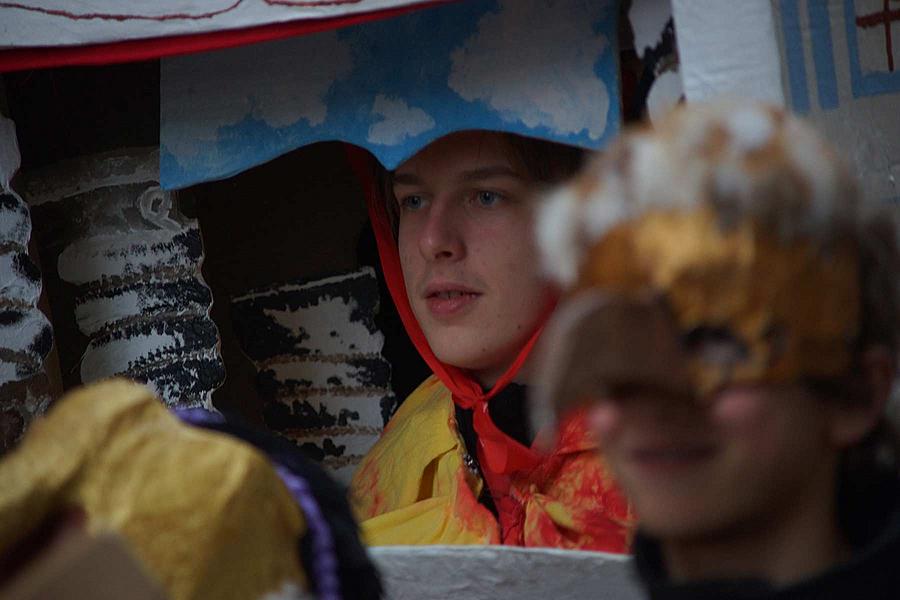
823,53
543,68
793,46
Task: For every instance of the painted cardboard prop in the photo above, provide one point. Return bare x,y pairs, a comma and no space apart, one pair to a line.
394,86
391,88
179,507
719,248
53,23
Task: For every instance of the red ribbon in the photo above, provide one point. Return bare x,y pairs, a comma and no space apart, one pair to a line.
498,454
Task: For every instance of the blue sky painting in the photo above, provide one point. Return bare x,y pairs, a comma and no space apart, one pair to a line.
543,68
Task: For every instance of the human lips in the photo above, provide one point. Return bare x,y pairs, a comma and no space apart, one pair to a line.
449,299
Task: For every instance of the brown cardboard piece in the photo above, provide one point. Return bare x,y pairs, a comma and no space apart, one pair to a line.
82,567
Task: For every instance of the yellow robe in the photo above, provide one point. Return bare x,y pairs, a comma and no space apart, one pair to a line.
414,487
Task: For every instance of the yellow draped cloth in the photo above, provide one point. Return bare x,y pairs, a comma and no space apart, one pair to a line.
206,514
414,487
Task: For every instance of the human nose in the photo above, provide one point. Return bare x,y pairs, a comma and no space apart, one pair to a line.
441,238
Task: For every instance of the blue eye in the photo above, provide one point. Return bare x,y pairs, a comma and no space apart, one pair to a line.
488,199
411,202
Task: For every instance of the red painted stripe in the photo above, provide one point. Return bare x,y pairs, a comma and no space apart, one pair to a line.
886,18
879,18
19,59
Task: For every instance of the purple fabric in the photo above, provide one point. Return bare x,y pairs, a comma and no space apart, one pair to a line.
199,417
325,563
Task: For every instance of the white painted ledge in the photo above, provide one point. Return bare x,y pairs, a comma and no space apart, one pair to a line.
503,572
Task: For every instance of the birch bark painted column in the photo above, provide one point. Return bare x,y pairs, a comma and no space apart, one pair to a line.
322,378
26,336
130,297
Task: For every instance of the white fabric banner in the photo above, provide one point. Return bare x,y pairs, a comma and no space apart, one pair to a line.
728,48
29,23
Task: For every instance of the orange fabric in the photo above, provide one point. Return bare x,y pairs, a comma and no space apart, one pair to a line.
505,463
431,497
571,500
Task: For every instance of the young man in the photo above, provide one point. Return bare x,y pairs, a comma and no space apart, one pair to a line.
456,463
734,318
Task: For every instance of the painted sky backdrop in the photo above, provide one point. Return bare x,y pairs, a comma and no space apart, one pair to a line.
543,68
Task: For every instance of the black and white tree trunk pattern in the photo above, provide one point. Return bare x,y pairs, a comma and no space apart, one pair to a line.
130,260
322,379
26,336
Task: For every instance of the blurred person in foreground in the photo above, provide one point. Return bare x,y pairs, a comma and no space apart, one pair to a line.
110,491
732,323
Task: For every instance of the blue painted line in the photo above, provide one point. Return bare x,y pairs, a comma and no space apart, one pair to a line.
853,48
793,47
823,53
865,84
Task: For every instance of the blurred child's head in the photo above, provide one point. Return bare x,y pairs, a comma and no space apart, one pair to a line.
734,308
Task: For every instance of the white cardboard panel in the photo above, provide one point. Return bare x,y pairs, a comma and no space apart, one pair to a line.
29,23
728,48
503,573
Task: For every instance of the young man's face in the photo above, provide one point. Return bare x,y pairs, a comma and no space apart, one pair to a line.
744,459
467,252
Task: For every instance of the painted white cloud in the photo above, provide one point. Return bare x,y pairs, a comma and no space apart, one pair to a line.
280,82
535,69
397,121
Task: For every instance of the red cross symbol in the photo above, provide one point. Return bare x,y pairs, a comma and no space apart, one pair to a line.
885,17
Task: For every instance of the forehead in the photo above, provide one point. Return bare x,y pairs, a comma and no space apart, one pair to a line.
461,152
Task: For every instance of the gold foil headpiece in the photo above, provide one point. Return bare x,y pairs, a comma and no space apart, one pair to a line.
734,225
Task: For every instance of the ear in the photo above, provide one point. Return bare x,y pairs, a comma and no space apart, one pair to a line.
852,421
